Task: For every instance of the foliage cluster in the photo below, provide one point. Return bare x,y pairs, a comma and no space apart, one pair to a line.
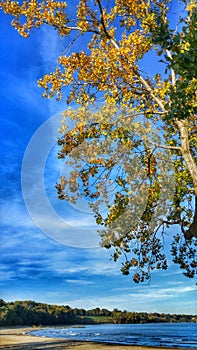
147,120
33,313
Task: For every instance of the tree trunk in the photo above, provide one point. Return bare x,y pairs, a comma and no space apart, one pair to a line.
192,232
189,160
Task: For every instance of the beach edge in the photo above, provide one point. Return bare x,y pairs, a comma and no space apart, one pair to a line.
19,337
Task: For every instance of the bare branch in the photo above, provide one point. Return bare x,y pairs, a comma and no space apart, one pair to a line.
172,70
102,19
104,26
164,146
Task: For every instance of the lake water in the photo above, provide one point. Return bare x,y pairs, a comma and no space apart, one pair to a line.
174,335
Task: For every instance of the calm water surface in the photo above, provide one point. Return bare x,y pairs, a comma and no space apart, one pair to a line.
175,335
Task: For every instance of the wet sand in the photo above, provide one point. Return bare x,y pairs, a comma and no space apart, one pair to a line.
17,338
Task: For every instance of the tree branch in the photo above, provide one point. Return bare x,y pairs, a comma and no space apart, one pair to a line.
164,146
176,222
102,19
104,26
189,160
172,70
141,79
185,148
192,232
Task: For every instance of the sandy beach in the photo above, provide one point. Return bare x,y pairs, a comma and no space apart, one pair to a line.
18,338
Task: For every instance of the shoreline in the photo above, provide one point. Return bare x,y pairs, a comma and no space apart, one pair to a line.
19,338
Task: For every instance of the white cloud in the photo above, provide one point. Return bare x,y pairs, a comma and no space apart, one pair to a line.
12,213
162,293
63,232
25,90
92,267
152,301
6,274
99,301
121,289
105,268
79,282
51,46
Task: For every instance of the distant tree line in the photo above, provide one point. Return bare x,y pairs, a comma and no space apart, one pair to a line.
33,313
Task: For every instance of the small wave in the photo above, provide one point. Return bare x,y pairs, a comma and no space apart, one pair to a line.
130,334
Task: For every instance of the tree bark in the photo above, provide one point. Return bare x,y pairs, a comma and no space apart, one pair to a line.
185,148
192,167
192,232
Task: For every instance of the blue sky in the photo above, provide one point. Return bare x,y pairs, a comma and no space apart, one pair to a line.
34,262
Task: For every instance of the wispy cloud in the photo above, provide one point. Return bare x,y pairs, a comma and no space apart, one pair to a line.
14,213
79,282
51,46
87,264
163,293
144,301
